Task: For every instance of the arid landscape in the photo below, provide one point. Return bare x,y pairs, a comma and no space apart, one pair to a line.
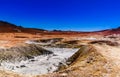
29,52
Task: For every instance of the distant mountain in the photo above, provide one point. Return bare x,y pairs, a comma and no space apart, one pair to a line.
7,27
109,31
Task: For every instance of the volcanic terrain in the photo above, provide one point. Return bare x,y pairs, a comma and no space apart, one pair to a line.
30,52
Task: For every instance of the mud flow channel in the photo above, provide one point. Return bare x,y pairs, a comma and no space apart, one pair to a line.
41,64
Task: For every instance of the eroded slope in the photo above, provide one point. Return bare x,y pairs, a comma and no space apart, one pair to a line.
89,61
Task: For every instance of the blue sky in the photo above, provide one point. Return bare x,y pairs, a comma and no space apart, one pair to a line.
78,15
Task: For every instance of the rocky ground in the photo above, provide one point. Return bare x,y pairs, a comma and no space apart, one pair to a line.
60,57
31,52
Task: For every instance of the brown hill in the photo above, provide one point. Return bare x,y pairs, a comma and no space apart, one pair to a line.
6,27
109,31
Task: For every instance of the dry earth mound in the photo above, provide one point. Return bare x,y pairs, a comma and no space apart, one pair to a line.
21,52
87,62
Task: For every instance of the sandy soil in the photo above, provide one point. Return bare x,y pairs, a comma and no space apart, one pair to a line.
111,53
14,39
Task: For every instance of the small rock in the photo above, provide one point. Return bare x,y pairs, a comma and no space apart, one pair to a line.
17,66
22,66
32,60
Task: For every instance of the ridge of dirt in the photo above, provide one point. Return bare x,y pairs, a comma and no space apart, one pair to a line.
89,61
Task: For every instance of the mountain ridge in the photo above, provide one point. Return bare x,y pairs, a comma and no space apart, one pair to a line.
7,27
